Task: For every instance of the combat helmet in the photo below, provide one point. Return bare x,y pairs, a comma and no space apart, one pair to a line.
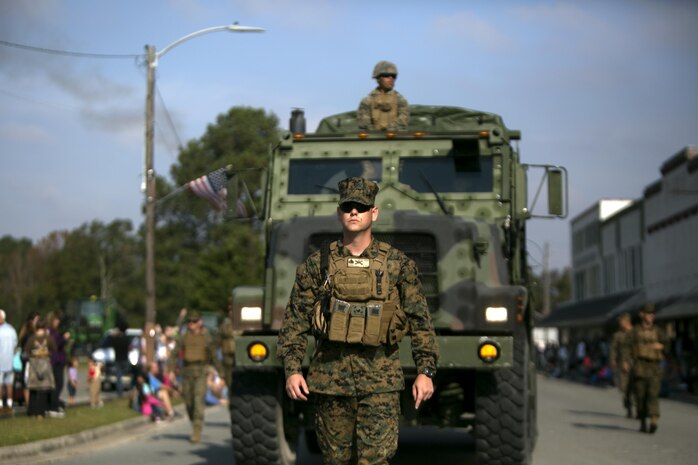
384,67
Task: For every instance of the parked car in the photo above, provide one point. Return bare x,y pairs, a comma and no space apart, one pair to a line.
105,355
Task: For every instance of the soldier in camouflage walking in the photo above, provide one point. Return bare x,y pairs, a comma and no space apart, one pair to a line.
621,361
384,109
648,352
358,298
197,352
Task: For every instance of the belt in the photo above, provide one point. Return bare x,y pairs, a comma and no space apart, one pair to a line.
195,363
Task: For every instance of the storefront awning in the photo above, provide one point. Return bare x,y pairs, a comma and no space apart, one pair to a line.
590,312
684,307
630,305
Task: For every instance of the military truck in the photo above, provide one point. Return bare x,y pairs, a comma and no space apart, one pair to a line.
454,197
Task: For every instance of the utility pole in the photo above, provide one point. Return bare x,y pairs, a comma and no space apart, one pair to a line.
152,58
150,194
546,279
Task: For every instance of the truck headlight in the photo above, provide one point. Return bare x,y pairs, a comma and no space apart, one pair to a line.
251,313
257,351
496,314
488,351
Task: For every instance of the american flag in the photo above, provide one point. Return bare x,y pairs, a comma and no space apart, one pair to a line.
212,188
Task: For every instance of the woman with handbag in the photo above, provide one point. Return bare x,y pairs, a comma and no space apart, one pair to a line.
40,381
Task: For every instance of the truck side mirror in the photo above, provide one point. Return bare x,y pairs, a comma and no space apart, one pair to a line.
555,206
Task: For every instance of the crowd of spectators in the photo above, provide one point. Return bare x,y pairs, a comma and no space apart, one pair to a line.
36,364
587,361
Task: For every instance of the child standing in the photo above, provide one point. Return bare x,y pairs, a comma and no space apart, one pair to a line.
72,380
94,383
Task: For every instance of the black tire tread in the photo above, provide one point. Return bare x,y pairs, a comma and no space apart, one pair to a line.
502,430
253,417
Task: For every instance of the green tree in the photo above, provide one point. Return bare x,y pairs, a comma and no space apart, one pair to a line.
200,253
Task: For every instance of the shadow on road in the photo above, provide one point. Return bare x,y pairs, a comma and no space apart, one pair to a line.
596,414
599,426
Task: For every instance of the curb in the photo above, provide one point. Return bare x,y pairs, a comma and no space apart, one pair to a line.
35,448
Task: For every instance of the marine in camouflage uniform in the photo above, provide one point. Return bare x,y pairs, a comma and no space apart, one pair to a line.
621,361
356,386
226,344
196,349
648,344
384,109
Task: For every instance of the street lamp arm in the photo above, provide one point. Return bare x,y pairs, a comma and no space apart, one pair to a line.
232,28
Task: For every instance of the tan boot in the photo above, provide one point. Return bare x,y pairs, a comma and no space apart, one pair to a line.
195,434
653,425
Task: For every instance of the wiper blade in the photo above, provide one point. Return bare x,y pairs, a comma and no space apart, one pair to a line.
436,194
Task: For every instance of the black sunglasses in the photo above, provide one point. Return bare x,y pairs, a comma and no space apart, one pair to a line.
387,75
347,207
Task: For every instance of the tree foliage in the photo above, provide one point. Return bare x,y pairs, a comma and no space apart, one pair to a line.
199,254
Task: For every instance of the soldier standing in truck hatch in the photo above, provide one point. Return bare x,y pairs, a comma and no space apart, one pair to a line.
358,297
197,352
384,109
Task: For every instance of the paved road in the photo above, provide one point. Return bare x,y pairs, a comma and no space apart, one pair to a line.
578,425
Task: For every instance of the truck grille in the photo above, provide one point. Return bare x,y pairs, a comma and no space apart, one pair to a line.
419,247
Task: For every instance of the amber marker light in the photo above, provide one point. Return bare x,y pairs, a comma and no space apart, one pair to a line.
363,135
298,136
390,135
484,133
419,134
488,351
257,351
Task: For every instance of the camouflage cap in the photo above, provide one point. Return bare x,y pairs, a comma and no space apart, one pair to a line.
357,190
193,316
648,308
384,67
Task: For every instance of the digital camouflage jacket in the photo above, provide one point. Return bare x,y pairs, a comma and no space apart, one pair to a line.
353,369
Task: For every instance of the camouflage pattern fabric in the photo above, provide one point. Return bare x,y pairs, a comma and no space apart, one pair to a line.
352,369
374,418
226,344
357,189
621,355
194,392
647,370
366,122
198,347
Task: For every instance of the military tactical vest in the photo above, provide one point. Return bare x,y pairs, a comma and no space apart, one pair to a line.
364,307
383,110
195,349
644,340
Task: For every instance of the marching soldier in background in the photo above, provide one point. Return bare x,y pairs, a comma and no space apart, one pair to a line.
197,352
226,343
648,352
359,297
384,109
621,361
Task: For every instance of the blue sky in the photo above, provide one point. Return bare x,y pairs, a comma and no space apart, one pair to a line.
606,88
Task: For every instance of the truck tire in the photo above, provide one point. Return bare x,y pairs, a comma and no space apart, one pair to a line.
504,411
257,421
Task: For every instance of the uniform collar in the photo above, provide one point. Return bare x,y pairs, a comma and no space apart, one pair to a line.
370,252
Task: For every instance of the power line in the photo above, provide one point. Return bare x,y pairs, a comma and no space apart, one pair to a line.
67,52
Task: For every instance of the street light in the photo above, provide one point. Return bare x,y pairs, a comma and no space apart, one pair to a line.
152,58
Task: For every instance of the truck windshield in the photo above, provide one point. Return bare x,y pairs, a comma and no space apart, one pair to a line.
447,174
313,176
